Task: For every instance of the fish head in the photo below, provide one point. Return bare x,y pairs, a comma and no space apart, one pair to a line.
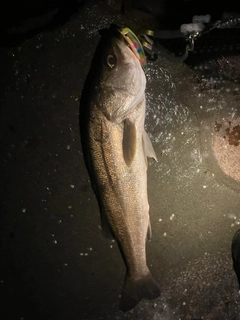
120,80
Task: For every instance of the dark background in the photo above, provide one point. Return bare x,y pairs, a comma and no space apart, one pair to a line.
54,261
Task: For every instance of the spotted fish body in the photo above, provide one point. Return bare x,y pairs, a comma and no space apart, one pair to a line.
116,147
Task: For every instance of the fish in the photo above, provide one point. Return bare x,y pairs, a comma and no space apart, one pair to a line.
115,147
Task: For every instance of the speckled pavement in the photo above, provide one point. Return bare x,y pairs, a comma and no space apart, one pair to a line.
55,263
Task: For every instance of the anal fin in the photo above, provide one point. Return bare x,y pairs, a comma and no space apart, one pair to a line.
149,231
106,228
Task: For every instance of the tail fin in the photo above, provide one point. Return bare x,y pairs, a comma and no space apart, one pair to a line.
135,290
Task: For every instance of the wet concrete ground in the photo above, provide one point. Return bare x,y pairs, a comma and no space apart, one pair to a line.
55,262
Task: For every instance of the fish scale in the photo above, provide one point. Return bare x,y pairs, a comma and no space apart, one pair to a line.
116,146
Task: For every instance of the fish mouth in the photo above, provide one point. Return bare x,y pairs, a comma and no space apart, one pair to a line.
127,36
135,45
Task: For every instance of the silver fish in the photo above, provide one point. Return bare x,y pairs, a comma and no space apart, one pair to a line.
116,146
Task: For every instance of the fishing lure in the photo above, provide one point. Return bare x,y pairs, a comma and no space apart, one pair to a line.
135,46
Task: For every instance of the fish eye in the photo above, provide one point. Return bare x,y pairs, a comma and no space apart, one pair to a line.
111,61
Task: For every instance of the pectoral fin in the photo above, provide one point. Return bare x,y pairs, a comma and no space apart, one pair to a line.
147,146
129,142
